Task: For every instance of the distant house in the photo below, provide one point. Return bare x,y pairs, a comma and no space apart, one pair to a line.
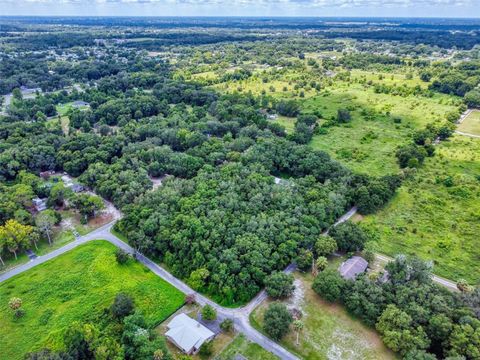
27,91
39,204
188,334
352,267
283,182
46,174
67,180
80,103
76,188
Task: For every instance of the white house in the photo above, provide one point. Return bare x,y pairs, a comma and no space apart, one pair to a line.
188,334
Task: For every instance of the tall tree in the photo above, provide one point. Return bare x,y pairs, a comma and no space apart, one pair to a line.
45,222
15,235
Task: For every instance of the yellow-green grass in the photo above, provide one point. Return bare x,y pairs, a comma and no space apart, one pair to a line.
389,78
77,286
369,146
287,122
329,331
471,124
436,214
64,123
242,346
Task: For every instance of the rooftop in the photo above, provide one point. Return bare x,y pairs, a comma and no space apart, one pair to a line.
352,267
187,333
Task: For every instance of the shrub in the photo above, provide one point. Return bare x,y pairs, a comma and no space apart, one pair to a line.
209,313
206,349
343,116
122,306
122,256
227,325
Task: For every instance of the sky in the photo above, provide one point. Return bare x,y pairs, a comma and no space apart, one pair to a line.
340,8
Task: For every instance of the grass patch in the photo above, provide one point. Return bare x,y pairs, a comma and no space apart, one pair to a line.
242,346
77,286
436,214
471,124
329,331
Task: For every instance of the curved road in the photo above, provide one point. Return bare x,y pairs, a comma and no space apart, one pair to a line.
239,315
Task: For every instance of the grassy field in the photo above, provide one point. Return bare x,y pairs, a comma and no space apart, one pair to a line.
471,124
242,346
329,331
368,143
436,214
380,122
77,286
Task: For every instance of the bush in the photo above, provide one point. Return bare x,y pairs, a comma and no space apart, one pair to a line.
343,116
279,284
121,256
206,349
209,313
321,263
277,320
122,306
329,285
227,325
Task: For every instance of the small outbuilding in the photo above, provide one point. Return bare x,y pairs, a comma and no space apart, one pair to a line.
188,334
354,266
39,204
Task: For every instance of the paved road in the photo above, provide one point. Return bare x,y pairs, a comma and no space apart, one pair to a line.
239,315
467,134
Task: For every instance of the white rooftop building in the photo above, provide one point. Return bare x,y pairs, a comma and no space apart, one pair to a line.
188,334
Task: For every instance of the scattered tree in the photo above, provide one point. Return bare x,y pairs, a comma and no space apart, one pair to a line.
122,306
277,320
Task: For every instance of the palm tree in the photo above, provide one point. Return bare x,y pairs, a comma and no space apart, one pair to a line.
298,326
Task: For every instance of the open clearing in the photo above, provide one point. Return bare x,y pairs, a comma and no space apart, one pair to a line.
471,124
77,286
329,331
436,214
368,143
242,346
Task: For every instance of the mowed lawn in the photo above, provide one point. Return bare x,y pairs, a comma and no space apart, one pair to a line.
77,286
329,331
243,347
436,214
471,124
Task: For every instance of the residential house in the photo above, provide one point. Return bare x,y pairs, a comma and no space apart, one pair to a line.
354,266
188,334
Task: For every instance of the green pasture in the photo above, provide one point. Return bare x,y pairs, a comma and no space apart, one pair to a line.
77,286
